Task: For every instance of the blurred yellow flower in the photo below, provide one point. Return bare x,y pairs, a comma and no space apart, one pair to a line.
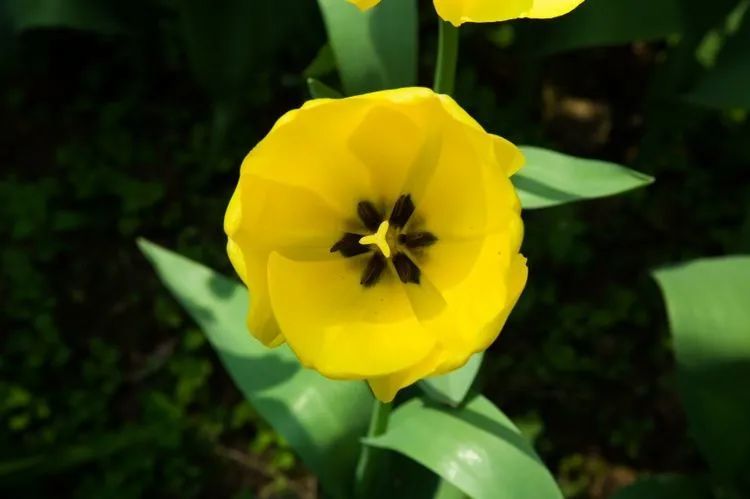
458,12
379,236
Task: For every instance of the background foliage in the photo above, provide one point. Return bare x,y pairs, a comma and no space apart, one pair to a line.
125,119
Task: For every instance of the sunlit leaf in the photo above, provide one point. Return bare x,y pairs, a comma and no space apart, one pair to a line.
452,388
708,304
550,178
321,419
476,448
374,50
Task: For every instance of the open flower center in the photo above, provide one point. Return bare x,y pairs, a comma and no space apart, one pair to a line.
388,242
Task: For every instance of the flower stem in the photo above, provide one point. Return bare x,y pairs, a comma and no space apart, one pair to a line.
447,56
367,463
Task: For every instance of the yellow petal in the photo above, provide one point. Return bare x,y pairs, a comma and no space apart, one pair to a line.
337,326
454,195
304,150
364,4
279,216
507,155
388,143
386,387
251,267
261,217
544,9
478,295
458,12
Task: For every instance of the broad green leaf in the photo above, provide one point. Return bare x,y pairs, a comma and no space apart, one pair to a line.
452,388
604,22
667,487
725,86
550,178
447,491
88,15
708,304
321,419
476,448
319,90
374,50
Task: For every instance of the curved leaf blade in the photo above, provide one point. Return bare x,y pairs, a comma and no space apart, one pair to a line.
708,304
476,448
320,418
452,388
551,178
374,50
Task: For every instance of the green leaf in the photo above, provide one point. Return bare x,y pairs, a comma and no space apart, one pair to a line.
708,304
550,178
320,418
604,22
323,64
374,50
88,15
447,491
476,448
725,86
452,388
319,90
667,487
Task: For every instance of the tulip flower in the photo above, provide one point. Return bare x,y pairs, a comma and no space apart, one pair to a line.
458,12
379,236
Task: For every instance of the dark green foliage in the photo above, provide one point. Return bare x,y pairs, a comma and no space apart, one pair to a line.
110,135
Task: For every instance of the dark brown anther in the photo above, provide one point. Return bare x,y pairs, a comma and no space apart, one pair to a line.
402,211
373,271
417,239
369,215
349,245
406,269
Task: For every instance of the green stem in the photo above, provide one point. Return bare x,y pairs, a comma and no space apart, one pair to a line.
367,463
447,57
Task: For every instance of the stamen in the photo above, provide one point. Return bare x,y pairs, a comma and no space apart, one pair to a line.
369,215
373,271
406,269
349,245
402,210
417,239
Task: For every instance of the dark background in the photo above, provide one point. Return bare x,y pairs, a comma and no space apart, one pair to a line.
131,120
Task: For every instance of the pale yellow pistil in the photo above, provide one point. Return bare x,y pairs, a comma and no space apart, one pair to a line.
379,239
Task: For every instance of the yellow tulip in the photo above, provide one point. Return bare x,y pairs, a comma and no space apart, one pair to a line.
458,12
379,236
